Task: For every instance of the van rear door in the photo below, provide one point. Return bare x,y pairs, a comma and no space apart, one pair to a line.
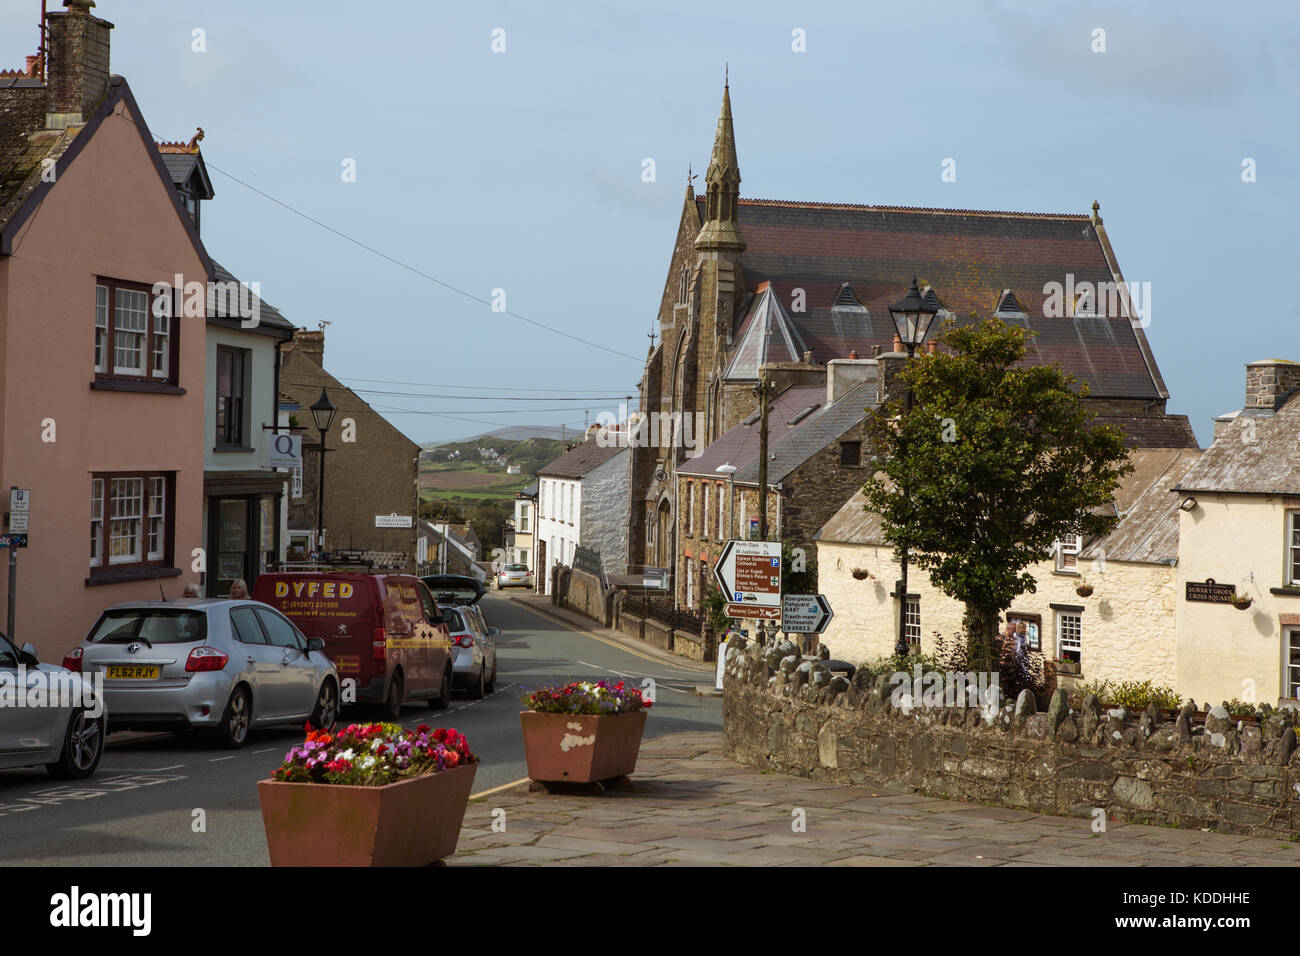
338,608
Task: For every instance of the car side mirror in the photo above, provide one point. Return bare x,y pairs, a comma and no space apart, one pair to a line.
438,621
494,631
29,655
315,644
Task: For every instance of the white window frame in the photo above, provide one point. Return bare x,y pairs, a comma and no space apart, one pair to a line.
161,347
690,507
722,499
295,481
1293,549
1291,663
704,532
140,335
101,326
742,527
96,521
1067,620
690,582
912,622
138,519
1067,553
156,518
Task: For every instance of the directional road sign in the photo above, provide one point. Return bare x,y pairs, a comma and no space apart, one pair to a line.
749,574
805,613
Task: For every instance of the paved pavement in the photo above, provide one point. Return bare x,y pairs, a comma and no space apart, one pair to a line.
690,806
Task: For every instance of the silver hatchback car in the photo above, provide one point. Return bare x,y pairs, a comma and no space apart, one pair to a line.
65,732
474,649
210,663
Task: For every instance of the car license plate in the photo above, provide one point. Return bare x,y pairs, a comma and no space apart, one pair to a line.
132,672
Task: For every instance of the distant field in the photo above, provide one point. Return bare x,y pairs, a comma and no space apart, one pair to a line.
469,481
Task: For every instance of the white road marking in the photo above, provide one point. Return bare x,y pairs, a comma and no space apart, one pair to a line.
215,759
266,751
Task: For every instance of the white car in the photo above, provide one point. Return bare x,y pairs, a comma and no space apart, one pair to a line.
64,732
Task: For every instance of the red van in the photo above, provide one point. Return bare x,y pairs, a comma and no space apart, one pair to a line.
383,632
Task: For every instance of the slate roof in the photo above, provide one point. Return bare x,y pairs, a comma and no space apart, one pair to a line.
813,434
269,318
1268,465
580,461
1147,532
969,258
738,445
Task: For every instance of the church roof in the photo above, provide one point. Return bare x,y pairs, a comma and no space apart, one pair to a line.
766,335
971,259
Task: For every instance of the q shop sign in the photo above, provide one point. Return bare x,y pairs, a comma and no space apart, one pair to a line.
284,451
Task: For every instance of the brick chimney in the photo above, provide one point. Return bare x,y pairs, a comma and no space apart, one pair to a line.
311,343
1269,382
77,78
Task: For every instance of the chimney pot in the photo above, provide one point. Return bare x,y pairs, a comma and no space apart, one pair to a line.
853,353
932,347
898,344
875,351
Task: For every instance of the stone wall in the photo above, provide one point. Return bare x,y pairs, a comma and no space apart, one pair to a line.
801,720
604,507
582,593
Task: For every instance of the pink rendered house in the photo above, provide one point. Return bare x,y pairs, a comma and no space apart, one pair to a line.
101,392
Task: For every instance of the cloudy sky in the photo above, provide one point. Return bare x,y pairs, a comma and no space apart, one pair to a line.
522,170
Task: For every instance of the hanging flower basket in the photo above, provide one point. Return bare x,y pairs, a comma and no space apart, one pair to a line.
860,574
1084,590
1242,603
369,795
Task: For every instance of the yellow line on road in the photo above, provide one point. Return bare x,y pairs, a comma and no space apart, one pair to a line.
504,786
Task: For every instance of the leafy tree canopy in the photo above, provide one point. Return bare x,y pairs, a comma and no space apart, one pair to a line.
994,463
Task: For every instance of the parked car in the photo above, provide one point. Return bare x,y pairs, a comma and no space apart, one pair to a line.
383,631
515,576
475,649
213,664
455,588
66,735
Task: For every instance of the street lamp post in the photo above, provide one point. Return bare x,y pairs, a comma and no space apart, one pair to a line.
323,414
730,471
912,317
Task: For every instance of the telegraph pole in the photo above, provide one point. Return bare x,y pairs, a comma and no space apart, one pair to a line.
762,454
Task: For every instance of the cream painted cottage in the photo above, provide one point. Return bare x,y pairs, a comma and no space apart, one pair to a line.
1123,630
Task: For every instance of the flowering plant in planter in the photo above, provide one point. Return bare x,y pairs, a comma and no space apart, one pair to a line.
372,755
584,697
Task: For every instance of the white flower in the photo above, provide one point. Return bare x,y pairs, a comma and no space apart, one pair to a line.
346,755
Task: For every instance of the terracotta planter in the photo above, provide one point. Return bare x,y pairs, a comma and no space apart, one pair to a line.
575,748
409,823
1067,667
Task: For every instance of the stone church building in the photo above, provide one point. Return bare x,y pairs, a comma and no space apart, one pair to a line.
790,286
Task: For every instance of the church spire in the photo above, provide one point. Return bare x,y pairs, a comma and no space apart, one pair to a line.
722,181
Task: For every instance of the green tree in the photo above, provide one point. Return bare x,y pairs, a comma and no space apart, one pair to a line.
994,463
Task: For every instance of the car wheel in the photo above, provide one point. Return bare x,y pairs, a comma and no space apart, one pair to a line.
326,714
238,717
443,700
392,709
476,689
492,679
83,745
